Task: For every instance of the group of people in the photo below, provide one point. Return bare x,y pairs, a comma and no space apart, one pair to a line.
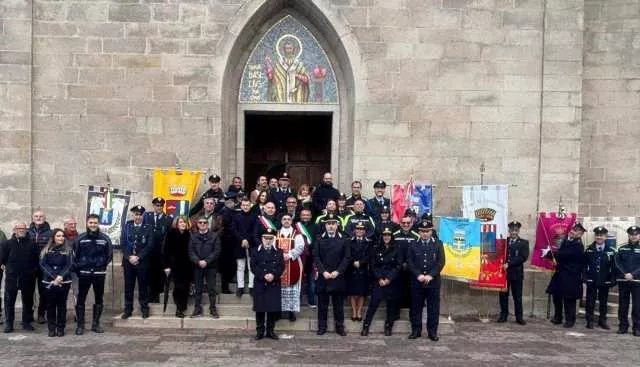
38,257
275,241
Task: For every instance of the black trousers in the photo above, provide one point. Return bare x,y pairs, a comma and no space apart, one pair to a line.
418,297
133,273
602,295
337,301
271,318
86,282
569,305
26,285
181,291
156,276
199,276
374,303
626,293
515,286
42,294
57,306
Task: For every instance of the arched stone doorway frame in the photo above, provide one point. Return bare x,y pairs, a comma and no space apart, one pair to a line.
252,20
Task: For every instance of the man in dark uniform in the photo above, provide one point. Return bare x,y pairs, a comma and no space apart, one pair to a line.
359,217
565,286
403,239
356,193
137,245
19,257
332,255
628,264
215,192
92,252
268,265
599,274
425,261
375,204
161,223
517,255
280,194
227,260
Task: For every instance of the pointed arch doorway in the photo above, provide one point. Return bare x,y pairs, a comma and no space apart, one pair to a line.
293,108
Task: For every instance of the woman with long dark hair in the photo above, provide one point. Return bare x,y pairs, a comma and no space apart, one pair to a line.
56,260
177,264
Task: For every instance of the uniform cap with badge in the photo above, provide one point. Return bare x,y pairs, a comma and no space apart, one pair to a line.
380,185
139,209
633,230
157,201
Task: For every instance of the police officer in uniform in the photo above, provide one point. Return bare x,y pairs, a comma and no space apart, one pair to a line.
385,222
161,223
137,246
517,255
332,254
403,239
280,194
425,261
376,203
628,264
93,253
565,286
359,217
267,263
599,274
215,192
386,264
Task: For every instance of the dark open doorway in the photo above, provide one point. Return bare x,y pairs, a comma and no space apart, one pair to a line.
299,144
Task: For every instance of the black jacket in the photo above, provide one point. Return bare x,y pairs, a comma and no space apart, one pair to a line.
176,253
136,241
205,246
279,197
321,195
425,259
19,256
567,280
331,254
40,235
92,253
267,295
58,261
628,261
352,220
374,207
600,266
517,255
218,197
386,263
243,227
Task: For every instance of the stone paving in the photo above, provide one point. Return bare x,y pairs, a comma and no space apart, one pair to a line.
473,344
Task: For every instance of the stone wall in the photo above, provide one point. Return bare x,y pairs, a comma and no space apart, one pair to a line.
610,154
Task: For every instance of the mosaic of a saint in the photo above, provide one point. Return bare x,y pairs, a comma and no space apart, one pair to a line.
288,78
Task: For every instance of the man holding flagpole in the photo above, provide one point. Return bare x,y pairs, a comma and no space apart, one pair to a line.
517,255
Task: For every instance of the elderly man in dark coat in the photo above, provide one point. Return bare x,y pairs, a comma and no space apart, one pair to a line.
566,283
332,255
267,263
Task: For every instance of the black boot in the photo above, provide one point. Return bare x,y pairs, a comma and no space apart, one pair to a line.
52,329
365,330
197,312
415,334
340,330
95,324
212,307
388,327
80,319
589,324
603,324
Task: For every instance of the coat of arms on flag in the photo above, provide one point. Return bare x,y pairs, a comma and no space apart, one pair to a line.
177,188
552,229
417,197
111,205
461,240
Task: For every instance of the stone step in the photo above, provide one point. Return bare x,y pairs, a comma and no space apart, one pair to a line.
243,310
446,326
610,315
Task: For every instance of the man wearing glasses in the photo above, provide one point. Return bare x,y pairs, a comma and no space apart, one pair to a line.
204,250
137,245
19,259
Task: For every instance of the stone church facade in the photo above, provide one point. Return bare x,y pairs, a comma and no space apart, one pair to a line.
545,93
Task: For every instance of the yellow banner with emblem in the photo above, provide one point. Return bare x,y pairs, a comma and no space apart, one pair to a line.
177,187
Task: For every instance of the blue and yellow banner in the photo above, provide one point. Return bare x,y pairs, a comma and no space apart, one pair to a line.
461,240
